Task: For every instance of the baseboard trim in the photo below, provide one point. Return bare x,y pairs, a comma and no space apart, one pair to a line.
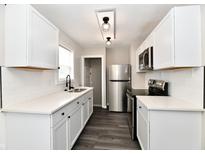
97,105
2,147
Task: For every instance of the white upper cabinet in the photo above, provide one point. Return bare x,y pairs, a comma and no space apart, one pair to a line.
149,42
177,39
30,39
163,47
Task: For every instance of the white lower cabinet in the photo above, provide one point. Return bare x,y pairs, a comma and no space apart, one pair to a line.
57,131
143,130
60,135
85,111
90,105
168,129
87,108
74,125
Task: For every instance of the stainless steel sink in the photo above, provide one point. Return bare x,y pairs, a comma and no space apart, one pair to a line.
77,90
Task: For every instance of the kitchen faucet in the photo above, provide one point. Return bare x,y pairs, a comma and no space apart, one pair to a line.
68,82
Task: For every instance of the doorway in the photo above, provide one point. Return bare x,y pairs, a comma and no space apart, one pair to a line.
93,78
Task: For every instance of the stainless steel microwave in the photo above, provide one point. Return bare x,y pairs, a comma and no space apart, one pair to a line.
146,59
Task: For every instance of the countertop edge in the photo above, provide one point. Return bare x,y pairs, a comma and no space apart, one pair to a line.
86,91
176,109
170,109
7,110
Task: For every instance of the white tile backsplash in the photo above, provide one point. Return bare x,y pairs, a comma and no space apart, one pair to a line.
185,84
20,85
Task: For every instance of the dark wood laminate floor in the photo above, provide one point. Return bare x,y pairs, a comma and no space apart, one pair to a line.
106,130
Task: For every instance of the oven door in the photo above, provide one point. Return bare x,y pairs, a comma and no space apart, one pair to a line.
131,109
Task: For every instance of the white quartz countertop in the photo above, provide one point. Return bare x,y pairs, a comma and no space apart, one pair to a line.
47,104
167,103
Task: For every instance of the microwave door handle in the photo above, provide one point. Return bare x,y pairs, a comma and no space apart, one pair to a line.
151,57
149,50
144,59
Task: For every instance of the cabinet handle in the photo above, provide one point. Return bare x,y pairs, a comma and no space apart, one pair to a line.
62,114
77,102
69,117
140,107
89,98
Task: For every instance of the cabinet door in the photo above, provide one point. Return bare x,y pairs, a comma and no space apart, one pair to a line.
74,125
15,36
164,43
90,105
85,111
43,49
60,136
142,125
188,36
150,41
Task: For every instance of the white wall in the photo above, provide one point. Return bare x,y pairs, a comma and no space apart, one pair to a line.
184,84
117,55
97,52
19,85
138,79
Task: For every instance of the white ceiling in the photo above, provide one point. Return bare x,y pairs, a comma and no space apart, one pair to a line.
133,22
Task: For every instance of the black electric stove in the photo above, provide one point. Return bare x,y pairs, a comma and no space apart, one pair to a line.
155,88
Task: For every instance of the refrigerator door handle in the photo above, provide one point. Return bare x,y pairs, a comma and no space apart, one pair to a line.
119,80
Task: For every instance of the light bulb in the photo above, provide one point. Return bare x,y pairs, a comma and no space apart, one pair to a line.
108,43
105,27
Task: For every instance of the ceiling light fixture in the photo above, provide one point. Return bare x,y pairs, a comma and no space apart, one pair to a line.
108,42
106,25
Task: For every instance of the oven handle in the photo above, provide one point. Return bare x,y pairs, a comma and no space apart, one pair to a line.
130,97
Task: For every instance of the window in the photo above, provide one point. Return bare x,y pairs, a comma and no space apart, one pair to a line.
65,63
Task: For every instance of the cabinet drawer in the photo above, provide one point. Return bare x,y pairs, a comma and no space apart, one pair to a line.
63,112
58,116
87,96
70,107
142,109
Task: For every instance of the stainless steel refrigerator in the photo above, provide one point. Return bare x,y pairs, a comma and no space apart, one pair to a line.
119,81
